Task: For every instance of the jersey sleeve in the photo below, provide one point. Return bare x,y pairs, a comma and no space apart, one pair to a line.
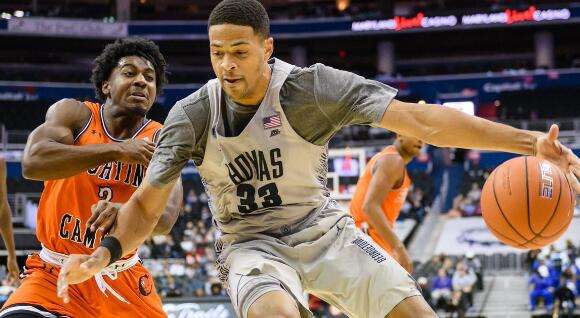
174,147
347,98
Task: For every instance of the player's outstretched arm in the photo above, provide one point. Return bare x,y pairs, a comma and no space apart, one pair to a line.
135,223
388,173
172,210
139,216
6,224
446,127
50,153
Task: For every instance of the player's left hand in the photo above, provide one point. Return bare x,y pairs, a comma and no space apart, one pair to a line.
13,270
104,214
79,268
549,148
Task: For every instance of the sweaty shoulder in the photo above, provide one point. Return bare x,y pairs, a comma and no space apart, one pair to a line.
319,100
70,113
391,166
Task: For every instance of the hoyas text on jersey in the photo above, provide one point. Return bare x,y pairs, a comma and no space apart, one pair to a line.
257,164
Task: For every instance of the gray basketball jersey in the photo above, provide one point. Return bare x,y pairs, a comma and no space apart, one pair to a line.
267,177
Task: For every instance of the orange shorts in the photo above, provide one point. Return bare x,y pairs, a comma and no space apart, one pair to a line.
38,291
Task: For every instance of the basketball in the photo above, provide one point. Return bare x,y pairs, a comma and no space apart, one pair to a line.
527,202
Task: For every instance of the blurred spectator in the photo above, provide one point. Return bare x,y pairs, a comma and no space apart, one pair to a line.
458,304
414,207
448,266
565,298
474,265
463,282
183,262
531,258
540,284
554,277
571,251
425,291
7,288
441,289
214,287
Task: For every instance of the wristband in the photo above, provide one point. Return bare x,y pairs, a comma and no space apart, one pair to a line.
114,246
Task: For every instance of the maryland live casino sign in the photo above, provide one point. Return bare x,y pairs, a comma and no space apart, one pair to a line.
508,17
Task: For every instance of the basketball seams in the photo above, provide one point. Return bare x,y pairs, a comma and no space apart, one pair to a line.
502,213
539,234
494,230
506,238
528,198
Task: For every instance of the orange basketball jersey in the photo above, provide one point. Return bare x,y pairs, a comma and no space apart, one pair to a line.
65,204
391,204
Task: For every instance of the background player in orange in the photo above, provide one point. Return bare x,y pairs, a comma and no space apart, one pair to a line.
92,158
6,225
381,192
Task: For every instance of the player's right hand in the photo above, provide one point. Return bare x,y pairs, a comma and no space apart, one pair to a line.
402,257
79,268
104,214
136,151
549,148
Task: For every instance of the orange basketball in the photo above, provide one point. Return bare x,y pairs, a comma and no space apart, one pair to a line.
527,202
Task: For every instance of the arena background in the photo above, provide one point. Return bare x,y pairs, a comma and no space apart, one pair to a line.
515,62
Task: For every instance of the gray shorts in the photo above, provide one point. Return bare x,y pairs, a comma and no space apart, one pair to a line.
329,258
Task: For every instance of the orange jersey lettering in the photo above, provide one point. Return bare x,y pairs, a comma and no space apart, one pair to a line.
65,204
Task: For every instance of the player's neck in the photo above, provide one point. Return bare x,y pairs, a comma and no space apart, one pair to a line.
259,90
121,123
406,157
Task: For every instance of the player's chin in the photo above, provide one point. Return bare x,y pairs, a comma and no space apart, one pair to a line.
139,109
234,92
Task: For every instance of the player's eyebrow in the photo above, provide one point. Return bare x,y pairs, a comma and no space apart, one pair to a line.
236,43
127,64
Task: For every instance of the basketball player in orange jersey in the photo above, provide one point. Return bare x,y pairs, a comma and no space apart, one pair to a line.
381,192
93,157
6,224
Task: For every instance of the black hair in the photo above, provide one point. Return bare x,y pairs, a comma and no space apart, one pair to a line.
106,62
242,12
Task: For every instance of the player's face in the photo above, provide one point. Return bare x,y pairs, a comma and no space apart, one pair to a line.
411,145
239,58
132,84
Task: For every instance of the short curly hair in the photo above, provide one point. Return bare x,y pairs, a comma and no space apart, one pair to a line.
242,12
106,62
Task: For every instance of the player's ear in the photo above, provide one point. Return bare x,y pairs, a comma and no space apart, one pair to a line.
268,48
106,87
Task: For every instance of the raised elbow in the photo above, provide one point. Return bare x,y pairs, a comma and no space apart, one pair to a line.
30,168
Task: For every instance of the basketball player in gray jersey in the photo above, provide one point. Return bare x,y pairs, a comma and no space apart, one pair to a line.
258,134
